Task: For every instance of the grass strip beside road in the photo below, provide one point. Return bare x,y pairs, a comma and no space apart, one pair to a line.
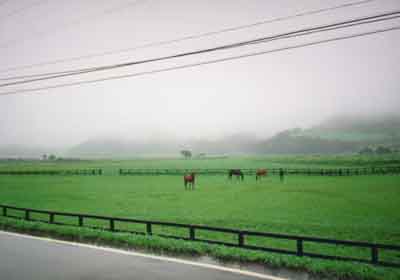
158,245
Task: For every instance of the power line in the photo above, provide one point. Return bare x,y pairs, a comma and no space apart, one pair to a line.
205,62
77,22
297,33
189,37
255,41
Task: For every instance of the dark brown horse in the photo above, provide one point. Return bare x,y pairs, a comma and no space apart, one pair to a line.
237,172
189,180
261,172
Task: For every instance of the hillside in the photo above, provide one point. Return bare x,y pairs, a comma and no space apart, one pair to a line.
341,134
338,135
287,143
378,129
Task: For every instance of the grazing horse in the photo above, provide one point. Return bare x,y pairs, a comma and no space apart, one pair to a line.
261,172
189,180
237,172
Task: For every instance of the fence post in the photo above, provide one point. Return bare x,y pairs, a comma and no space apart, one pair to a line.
4,211
112,225
241,239
191,233
51,219
81,221
374,254
299,247
148,229
27,216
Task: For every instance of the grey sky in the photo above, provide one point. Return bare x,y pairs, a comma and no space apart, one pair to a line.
259,95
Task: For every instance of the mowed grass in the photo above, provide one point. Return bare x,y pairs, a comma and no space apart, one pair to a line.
357,208
361,208
110,167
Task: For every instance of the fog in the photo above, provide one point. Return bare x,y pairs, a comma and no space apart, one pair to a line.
259,95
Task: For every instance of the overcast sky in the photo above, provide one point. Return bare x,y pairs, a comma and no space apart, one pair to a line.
259,95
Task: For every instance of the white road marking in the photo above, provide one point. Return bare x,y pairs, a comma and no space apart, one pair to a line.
154,257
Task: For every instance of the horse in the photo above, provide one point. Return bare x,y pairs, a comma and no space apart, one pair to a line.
189,180
237,172
260,173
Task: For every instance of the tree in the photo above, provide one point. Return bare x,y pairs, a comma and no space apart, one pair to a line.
44,157
383,150
52,157
186,154
366,151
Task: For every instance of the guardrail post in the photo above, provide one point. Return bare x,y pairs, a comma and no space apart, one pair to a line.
81,221
241,239
51,219
112,226
191,233
27,216
299,247
374,254
4,211
148,229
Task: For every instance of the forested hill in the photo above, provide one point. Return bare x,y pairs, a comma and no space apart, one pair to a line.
344,134
355,129
337,135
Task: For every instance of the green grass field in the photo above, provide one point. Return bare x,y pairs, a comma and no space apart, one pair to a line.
311,161
364,208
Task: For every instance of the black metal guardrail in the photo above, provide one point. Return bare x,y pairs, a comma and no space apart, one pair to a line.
273,171
53,172
241,235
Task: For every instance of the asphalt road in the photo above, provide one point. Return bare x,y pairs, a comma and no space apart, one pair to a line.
36,259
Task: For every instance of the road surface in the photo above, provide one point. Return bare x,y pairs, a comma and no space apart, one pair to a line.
23,257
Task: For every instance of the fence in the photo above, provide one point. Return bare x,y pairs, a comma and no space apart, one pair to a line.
273,171
241,235
53,172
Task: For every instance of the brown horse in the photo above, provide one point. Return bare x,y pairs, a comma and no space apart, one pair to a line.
189,180
261,172
237,172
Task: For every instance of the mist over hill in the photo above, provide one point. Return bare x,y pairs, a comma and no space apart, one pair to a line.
340,134
336,135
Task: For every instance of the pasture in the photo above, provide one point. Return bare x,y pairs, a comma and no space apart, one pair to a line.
363,208
360,208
